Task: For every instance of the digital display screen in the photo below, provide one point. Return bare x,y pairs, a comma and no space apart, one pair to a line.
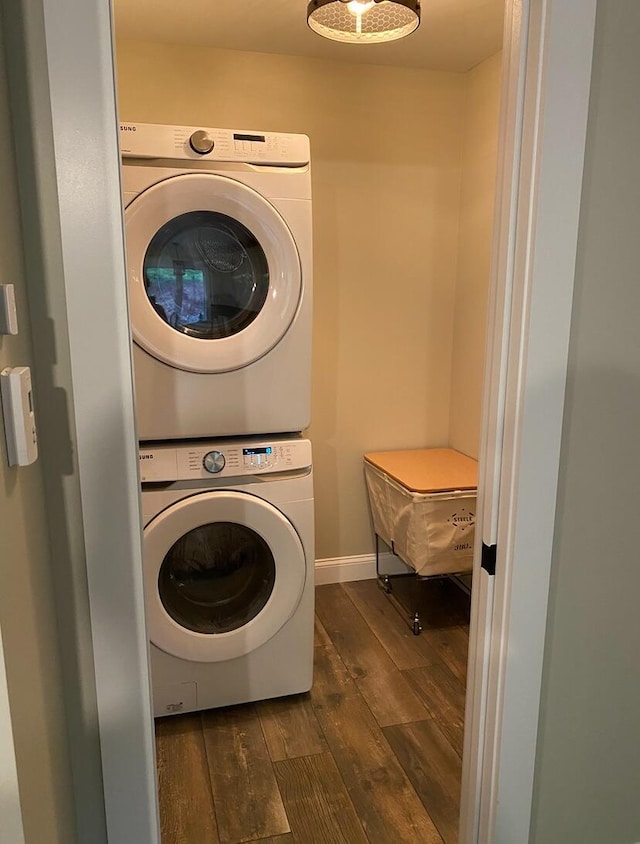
249,451
257,138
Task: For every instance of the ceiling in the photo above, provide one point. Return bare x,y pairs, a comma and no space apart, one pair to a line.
454,35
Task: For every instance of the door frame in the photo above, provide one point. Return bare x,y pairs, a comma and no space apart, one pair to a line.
546,86
63,101
75,92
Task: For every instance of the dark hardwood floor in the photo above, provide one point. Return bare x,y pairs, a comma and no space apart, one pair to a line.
371,754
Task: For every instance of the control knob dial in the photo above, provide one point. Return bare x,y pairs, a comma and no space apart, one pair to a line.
214,462
201,142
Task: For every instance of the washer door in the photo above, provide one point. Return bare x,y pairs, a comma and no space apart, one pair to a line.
214,273
223,572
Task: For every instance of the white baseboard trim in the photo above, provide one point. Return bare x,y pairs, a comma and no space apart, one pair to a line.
359,567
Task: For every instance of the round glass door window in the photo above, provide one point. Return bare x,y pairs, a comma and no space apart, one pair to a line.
206,275
217,577
210,568
215,277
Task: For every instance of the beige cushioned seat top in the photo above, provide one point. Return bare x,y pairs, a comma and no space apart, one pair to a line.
428,470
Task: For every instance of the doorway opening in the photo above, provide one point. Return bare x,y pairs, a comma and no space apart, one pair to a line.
403,169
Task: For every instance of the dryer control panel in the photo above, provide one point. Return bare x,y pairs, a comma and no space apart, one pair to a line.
149,140
228,458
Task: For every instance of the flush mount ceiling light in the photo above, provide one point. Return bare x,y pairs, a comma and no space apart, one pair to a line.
363,21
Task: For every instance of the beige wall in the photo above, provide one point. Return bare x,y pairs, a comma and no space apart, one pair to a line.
588,771
387,156
479,156
26,596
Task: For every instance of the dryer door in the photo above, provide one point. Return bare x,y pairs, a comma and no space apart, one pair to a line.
214,273
224,571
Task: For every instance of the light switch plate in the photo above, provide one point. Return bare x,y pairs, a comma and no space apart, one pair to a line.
8,315
19,418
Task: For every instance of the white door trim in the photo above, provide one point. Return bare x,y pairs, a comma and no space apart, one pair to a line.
11,831
492,425
559,47
87,159
67,87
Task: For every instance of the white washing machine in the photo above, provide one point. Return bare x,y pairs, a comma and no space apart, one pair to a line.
228,571
218,235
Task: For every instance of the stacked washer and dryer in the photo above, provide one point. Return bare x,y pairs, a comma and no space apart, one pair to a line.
218,231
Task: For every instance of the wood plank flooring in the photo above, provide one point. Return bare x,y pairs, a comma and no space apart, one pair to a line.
371,754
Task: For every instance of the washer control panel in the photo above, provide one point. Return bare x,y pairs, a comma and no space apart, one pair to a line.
231,458
149,140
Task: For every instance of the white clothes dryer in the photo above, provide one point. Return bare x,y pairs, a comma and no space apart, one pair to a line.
228,571
219,264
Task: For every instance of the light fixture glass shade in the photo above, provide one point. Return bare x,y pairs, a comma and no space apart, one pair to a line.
363,21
